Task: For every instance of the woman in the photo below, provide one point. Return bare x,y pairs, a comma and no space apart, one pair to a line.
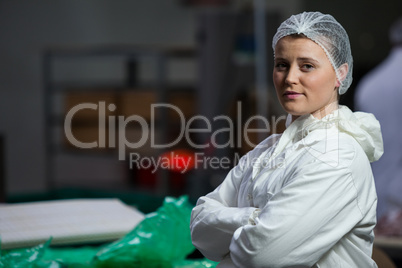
305,198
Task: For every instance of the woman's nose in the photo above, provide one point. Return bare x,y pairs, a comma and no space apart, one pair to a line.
292,75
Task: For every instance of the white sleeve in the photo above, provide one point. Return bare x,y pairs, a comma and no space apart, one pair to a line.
216,217
301,222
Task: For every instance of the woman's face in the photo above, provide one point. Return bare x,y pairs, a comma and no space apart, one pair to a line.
304,79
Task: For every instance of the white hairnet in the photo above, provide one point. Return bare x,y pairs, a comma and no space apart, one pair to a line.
324,30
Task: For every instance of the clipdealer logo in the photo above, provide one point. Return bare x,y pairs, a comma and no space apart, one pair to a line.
112,132
327,149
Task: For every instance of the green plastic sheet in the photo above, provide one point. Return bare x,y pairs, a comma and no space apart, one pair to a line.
161,240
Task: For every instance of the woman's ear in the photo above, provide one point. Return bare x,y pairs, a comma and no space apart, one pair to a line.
342,71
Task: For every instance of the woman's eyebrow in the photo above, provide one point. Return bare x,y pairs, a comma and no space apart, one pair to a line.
308,59
280,59
298,59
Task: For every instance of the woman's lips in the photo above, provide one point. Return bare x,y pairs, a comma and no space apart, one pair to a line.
292,94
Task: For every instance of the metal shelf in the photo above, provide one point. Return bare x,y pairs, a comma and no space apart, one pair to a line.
129,54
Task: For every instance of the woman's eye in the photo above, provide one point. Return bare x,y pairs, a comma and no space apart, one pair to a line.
307,67
281,66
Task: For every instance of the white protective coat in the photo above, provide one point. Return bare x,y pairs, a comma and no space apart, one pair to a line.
305,198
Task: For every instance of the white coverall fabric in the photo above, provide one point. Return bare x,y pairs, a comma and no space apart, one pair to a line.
305,198
380,93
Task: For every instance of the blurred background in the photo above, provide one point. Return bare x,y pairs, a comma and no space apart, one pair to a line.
198,55
212,59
